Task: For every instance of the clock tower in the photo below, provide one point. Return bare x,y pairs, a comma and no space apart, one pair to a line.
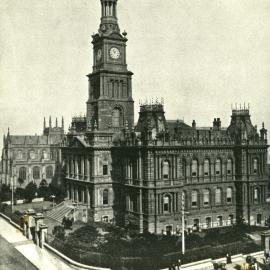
110,104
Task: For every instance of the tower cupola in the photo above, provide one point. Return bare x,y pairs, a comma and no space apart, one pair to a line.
108,16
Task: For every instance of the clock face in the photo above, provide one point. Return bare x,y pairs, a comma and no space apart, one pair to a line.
114,53
99,54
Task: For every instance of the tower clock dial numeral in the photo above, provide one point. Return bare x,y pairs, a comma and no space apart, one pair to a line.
99,54
114,53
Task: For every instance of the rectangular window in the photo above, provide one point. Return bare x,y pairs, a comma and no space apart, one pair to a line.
105,169
228,172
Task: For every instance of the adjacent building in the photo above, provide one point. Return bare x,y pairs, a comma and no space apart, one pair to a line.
32,158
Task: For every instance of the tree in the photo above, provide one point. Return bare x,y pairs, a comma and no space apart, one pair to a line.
59,232
30,191
20,181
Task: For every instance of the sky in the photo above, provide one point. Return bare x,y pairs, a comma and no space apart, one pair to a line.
201,56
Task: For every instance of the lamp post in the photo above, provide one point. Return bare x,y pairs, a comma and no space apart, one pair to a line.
183,222
53,197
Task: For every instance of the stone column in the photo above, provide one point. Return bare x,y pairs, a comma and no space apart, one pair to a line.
43,232
83,195
87,168
88,197
82,167
76,168
72,192
141,211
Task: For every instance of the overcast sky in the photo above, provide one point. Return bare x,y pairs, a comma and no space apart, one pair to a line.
200,56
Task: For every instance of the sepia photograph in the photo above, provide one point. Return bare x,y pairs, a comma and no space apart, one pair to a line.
134,134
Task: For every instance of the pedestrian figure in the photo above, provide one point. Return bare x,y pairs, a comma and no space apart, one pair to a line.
228,258
178,264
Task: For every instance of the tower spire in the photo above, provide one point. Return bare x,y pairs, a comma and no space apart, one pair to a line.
50,122
56,122
62,122
44,123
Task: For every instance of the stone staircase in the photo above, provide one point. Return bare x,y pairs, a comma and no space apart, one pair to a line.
59,211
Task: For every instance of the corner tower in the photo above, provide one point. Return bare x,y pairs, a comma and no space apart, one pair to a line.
110,103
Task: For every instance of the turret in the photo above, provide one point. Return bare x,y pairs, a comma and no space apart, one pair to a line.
263,132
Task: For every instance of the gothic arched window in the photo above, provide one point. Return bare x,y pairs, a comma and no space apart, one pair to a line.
116,118
49,172
22,173
105,197
36,172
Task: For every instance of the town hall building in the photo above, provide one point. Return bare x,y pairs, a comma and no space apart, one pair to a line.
143,175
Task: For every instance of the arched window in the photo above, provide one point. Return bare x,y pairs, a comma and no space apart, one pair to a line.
206,197
255,166
206,167
194,198
166,204
194,168
256,195
165,169
49,172
116,118
218,167
22,173
105,197
218,196
32,154
19,154
36,172
229,195
229,166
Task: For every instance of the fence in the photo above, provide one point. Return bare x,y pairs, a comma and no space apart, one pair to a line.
143,263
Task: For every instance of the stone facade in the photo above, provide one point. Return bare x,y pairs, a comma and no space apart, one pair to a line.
31,158
221,172
144,176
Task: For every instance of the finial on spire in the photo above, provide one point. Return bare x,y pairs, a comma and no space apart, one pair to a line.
262,124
